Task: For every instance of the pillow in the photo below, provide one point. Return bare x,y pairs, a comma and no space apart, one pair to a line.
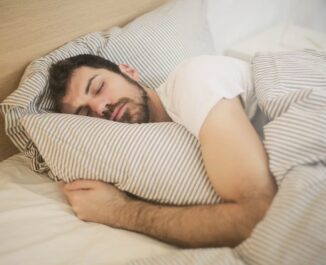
159,162
153,44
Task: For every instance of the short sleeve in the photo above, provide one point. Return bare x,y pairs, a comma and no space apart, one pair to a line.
197,84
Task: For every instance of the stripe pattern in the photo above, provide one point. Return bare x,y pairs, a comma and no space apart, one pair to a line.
153,44
291,91
158,162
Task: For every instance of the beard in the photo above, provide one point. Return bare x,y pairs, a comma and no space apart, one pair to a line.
135,111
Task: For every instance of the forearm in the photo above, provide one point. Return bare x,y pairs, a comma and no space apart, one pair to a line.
225,224
195,226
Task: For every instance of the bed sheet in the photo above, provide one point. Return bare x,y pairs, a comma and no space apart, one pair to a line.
37,225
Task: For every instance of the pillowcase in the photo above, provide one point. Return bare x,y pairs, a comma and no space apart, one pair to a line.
153,44
159,162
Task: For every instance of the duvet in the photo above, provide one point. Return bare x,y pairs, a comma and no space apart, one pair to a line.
291,91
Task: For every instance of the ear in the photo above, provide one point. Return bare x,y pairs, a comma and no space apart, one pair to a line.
129,71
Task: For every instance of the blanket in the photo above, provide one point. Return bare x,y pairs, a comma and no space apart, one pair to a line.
291,91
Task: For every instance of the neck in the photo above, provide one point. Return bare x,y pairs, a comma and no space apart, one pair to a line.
156,108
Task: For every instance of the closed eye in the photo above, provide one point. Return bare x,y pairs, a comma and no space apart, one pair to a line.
100,88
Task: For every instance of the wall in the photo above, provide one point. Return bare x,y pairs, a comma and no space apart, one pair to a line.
235,20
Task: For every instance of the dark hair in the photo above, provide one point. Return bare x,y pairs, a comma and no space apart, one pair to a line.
60,73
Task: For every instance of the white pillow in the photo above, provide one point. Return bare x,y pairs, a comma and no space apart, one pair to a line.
160,162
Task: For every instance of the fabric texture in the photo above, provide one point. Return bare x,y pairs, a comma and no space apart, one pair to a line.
38,225
153,44
159,162
291,91
197,84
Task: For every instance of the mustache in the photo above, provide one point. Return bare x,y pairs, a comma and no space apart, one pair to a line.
109,108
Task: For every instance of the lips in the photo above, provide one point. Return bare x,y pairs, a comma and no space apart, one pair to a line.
117,112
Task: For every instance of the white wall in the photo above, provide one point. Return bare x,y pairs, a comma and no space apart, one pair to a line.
234,20
309,13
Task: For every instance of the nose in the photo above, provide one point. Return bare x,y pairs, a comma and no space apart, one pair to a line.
97,107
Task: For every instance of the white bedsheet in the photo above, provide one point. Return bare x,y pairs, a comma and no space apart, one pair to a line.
37,225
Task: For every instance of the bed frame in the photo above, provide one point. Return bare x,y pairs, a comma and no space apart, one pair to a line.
30,29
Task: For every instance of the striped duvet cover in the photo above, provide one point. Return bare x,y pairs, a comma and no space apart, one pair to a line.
291,91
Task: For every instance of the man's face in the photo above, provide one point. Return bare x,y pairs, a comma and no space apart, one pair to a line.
105,94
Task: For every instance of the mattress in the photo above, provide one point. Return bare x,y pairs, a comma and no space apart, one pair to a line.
37,225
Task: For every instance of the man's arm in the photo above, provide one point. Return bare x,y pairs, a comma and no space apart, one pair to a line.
237,167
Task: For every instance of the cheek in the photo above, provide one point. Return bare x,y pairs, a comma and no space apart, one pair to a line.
122,89
108,95
129,90
117,91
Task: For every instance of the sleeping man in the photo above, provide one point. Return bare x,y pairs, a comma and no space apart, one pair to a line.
208,95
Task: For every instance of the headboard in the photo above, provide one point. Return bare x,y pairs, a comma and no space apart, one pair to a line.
30,29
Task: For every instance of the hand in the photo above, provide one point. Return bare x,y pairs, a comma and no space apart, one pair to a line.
95,201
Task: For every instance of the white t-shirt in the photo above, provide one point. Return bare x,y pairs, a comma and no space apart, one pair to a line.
197,84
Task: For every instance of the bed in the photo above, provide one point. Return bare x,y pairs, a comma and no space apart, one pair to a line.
37,225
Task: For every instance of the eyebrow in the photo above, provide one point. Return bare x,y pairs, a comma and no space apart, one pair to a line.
86,91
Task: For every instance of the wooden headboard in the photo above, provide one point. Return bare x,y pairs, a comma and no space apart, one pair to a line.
33,28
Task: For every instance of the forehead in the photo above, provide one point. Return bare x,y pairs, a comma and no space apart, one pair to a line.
79,76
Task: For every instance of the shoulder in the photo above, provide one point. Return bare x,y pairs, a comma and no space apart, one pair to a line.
217,67
197,84
211,69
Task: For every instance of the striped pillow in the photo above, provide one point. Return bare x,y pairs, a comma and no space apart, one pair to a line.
159,162
153,44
